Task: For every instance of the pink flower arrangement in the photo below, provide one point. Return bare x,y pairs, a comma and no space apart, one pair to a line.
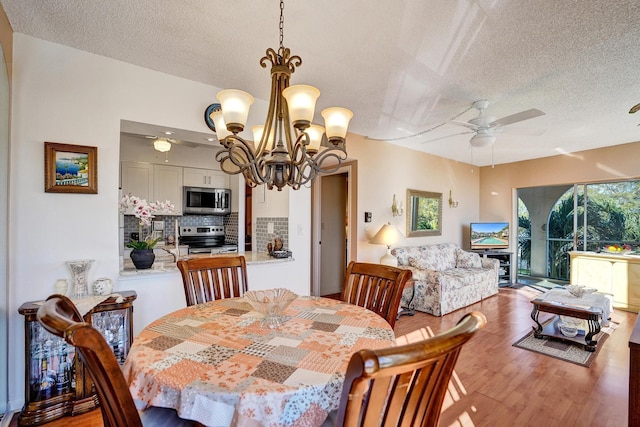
144,210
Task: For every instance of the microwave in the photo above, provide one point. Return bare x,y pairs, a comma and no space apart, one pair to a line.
206,201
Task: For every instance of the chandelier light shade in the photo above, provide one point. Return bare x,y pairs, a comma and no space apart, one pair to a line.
162,145
286,150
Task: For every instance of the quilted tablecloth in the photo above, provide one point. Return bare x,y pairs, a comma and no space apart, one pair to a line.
215,364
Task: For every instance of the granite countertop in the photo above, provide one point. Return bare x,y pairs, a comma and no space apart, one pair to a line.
164,262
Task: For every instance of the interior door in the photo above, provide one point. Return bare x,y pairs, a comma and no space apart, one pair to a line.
333,235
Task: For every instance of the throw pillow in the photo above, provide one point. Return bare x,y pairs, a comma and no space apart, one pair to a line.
468,259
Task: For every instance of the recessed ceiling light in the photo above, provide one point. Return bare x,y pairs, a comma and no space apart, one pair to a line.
168,132
211,139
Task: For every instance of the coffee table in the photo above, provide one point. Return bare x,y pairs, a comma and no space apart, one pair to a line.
593,308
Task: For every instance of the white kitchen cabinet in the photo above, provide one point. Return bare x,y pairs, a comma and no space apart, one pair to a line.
152,182
207,178
136,178
167,185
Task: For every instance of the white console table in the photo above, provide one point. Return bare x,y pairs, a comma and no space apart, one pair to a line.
618,275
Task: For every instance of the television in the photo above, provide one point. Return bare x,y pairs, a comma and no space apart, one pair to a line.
487,236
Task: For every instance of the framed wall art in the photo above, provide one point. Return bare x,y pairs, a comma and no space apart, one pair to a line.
70,168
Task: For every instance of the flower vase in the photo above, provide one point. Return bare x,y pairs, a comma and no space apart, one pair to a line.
142,258
79,269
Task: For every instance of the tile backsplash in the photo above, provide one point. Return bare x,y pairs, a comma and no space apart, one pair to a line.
230,223
280,228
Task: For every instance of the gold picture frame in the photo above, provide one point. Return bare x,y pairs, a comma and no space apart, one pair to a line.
424,213
70,168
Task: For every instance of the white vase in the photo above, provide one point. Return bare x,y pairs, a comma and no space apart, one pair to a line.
61,286
102,286
79,269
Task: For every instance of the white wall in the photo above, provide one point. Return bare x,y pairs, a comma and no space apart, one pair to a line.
69,96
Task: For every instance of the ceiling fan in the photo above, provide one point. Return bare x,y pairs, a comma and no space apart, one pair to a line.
485,127
161,143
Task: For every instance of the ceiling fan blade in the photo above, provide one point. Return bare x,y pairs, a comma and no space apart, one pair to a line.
137,135
517,117
182,142
520,131
465,124
444,137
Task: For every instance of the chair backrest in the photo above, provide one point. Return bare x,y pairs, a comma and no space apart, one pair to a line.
404,385
212,278
376,287
60,316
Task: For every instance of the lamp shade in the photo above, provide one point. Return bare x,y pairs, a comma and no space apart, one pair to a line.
301,100
482,140
235,108
221,127
388,235
162,145
315,133
257,131
336,122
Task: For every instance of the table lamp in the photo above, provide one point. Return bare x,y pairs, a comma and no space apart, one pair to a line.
387,235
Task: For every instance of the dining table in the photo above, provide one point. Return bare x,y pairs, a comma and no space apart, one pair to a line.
215,364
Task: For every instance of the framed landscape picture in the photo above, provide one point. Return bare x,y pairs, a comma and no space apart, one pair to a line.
70,168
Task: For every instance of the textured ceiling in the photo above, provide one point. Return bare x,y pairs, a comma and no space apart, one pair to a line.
404,67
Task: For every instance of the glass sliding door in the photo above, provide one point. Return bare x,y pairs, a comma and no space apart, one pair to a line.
555,220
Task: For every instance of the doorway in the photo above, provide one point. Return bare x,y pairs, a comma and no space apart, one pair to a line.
333,237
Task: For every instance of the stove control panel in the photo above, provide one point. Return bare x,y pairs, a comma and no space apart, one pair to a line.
209,230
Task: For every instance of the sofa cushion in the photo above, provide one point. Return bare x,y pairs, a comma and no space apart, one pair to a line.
467,259
403,254
438,257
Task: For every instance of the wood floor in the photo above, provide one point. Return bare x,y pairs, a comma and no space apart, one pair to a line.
496,385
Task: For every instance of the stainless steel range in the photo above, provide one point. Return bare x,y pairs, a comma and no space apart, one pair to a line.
205,239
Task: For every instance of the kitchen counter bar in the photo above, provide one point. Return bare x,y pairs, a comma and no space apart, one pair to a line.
165,264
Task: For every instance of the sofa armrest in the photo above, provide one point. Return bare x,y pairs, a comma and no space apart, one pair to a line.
492,263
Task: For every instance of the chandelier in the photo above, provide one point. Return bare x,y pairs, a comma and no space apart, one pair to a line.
286,150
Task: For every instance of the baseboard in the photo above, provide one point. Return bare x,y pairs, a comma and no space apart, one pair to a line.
6,419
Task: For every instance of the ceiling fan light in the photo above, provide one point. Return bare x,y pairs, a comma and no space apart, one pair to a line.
162,145
482,140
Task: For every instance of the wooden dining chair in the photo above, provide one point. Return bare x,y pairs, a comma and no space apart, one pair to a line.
60,316
212,278
376,287
404,385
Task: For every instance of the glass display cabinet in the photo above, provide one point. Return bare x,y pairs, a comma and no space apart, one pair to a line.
56,382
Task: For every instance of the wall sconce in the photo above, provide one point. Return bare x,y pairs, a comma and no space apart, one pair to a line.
452,203
395,210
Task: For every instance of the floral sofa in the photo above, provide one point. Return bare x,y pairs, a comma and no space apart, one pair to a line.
446,277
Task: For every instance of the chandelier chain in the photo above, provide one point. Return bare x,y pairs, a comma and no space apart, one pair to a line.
281,24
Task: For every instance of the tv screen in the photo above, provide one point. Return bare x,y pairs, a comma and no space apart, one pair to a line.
489,235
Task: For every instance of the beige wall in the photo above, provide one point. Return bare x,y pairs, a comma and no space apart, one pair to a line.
385,169
498,184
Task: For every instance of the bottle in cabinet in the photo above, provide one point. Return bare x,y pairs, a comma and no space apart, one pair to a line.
56,382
